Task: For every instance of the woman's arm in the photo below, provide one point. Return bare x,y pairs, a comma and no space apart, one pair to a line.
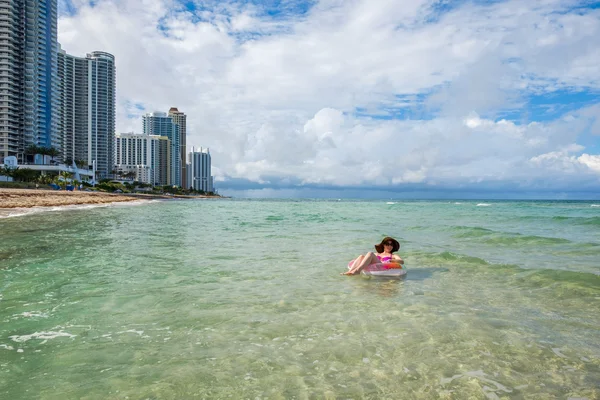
396,258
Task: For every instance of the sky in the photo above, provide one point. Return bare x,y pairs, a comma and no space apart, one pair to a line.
364,98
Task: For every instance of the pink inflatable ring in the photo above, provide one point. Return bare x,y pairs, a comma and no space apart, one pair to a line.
391,269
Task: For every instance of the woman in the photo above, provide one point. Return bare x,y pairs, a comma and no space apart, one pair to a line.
385,254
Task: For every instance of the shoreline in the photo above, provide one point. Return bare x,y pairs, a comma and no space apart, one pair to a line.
29,198
14,200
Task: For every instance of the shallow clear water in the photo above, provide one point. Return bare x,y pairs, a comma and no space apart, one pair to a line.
243,299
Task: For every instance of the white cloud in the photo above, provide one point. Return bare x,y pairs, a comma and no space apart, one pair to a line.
592,162
562,162
276,99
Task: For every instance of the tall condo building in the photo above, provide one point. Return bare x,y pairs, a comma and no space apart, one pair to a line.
28,69
164,161
87,108
201,170
141,154
158,123
180,119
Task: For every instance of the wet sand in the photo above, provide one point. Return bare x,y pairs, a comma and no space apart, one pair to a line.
15,202
27,198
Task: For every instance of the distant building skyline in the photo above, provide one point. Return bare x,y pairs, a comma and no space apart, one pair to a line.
52,99
154,154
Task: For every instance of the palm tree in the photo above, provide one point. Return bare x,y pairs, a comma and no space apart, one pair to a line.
31,150
6,171
65,178
43,151
52,152
115,172
129,175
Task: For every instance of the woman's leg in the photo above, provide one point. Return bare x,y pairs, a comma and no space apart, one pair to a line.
368,259
356,262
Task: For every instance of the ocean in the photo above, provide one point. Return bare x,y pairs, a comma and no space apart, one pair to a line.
243,299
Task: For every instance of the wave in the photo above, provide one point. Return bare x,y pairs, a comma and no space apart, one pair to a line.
578,220
565,283
595,205
483,205
518,239
20,212
504,238
390,202
583,283
469,231
591,221
559,219
450,256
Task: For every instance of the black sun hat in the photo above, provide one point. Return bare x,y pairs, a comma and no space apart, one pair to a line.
396,245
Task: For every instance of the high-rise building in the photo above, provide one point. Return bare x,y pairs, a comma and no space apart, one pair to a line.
201,170
48,98
139,154
103,112
180,118
28,85
189,183
158,123
87,108
164,161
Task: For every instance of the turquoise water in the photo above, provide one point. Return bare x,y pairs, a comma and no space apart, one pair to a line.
243,299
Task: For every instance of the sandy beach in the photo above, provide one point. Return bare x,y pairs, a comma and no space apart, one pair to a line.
27,198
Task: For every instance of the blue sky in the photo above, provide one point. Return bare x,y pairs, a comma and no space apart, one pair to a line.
368,98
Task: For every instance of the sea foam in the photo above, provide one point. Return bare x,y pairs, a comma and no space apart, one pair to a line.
40,335
19,212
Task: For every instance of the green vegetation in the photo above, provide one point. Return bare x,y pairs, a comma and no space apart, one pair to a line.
32,177
22,185
32,150
28,175
28,178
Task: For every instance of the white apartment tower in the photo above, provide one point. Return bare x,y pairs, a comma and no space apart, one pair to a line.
201,170
87,108
139,154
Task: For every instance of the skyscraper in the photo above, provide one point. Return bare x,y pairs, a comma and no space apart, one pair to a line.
103,96
201,170
158,123
87,108
180,119
28,69
164,161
